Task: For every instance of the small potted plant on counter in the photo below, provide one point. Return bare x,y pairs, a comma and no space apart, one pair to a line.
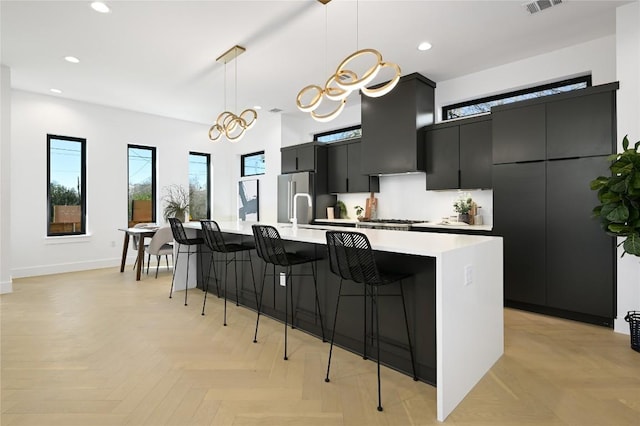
463,206
359,211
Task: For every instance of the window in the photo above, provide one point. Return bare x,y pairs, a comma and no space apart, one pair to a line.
142,184
66,176
199,186
483,105
339,135
252,164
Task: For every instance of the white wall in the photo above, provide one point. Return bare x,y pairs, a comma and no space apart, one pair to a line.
628,97
5,180
108,131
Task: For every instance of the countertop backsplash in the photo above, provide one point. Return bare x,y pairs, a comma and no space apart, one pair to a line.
405,197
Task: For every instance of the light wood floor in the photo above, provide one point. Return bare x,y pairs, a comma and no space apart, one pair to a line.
98,348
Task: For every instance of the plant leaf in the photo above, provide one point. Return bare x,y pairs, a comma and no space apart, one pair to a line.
625,143
620,214
632,244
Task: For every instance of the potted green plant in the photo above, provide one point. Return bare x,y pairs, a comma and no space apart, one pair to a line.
176,202
359,211
619,211
463,206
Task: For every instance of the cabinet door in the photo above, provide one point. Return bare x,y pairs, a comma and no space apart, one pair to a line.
359,182
519,217
442,158
581,126
288,160
306,158
337,169
475,155
519,134
580,256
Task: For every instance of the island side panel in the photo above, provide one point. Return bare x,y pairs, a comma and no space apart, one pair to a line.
470,324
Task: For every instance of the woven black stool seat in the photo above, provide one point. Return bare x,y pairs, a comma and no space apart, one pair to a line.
351,258
214,240
271,249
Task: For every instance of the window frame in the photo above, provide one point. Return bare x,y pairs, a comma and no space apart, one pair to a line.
208,157
243,157
153,180
317,136
83,185
566,82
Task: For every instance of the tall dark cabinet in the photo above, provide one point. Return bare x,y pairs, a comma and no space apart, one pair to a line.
344,169
557,259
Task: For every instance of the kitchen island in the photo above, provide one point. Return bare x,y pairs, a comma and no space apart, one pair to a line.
455,302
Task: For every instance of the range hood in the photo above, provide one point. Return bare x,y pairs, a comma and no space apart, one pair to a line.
392,135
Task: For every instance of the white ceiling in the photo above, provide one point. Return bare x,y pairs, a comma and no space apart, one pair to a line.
159,56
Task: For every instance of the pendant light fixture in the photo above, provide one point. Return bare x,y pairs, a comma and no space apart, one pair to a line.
344,80
230,125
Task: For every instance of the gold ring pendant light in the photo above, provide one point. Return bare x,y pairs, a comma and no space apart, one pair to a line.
230,125
344,81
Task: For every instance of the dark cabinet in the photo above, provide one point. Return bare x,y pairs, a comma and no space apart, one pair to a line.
579,127
391,127
476,155
302,158
458,155
442,157
580,256
557,259
344,169
518,134
519,217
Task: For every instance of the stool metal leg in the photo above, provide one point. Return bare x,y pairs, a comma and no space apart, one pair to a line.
206,282
333,332
259,306
406,323
286,309
315,285
226,274
374,305
186,285
173,277
235,270
364,322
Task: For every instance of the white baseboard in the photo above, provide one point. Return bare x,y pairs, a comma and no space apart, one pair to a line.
621,326
64,267
6,287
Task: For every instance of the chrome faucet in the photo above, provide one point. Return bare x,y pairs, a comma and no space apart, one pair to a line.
294,220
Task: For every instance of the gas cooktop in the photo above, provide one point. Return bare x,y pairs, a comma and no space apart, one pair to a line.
397,221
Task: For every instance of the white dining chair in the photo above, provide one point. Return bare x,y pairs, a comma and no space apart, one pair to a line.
161,244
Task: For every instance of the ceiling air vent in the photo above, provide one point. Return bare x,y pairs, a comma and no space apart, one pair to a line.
539,5
275,110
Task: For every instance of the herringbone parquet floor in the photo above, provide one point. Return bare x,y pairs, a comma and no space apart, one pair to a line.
98,348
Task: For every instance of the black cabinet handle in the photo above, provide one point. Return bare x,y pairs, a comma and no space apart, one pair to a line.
296,163
347,184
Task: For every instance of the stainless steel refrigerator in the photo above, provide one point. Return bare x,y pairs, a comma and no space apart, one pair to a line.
304,182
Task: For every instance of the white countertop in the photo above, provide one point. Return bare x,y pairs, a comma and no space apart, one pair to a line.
415,243
452,225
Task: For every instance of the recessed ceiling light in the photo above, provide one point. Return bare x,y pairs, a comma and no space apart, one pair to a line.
99,6
71,59
57,91
257,107
425,45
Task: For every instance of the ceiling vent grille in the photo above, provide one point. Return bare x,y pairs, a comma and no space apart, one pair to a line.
540,5
275,110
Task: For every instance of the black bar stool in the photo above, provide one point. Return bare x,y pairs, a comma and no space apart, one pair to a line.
214,240
351,258
180,236
270,248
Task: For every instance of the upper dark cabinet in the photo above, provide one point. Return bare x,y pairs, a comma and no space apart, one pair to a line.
308,157
442,158
518,134
344,169
476,155
458,154
581,126
391,136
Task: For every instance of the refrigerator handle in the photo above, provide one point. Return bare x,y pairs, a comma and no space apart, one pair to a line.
294,191
289,200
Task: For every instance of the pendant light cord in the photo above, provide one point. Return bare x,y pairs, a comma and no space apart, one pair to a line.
357,25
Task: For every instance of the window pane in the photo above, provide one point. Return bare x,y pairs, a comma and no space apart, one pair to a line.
253,164
339,135
66,186
484,105
199,194
141,205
